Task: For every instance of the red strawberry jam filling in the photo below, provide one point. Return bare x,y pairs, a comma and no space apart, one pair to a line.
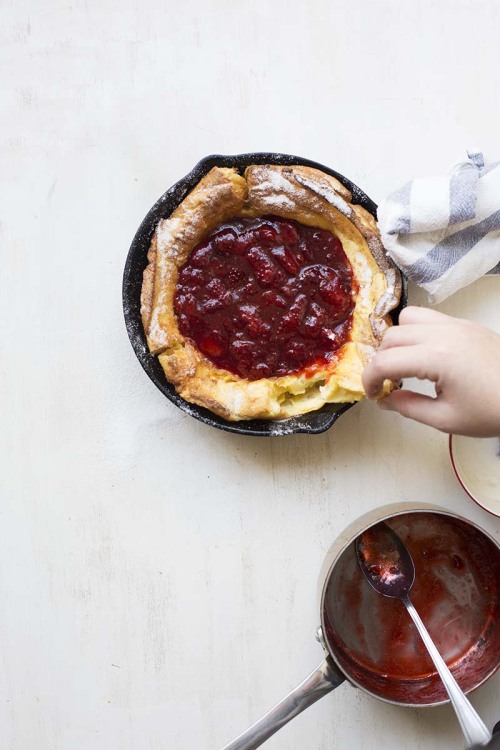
266,297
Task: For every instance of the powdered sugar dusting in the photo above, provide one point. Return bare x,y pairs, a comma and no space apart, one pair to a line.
285,427
272,189
156,332
326,192
171,235
364,278
390,298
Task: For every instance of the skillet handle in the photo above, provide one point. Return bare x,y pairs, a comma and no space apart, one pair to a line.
323,680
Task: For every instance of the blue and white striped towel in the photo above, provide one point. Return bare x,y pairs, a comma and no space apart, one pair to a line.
444,232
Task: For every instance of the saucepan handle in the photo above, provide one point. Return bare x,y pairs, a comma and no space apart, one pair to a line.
323,680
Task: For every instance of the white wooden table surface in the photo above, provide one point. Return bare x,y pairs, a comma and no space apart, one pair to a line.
158,577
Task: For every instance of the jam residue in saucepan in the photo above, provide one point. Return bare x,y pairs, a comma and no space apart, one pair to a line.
266,297
455,592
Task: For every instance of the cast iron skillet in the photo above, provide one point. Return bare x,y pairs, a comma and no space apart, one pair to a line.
314,422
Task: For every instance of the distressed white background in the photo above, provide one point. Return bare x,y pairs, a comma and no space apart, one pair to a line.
157,577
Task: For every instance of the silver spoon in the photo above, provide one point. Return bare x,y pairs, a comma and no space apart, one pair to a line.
389,569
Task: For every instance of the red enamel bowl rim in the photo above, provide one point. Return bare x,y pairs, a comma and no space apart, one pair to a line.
462,483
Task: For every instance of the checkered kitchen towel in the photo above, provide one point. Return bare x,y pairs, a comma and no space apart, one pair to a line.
444,232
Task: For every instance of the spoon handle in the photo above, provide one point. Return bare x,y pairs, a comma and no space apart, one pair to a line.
475,731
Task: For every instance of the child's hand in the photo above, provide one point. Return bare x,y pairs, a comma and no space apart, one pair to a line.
461,358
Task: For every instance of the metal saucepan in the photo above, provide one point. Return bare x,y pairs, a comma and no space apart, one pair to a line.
370,641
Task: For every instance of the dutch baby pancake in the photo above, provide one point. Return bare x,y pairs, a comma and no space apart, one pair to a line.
267,293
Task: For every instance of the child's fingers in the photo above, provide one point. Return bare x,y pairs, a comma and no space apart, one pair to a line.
396,364
424,409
